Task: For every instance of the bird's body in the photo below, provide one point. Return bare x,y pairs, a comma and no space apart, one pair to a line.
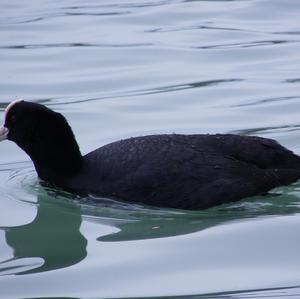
178,171
186,171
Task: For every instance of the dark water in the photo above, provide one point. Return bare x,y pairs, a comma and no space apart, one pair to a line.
123,68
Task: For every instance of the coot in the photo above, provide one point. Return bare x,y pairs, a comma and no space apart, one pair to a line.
178,171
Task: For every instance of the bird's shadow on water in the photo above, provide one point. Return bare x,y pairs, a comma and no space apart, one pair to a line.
54,236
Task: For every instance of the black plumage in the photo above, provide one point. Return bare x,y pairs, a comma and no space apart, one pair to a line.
178,171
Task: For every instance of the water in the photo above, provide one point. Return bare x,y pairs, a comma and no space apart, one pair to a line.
118,68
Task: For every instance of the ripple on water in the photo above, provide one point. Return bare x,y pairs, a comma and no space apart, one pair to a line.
125,68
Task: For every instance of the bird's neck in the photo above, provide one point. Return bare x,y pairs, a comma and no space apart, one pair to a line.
61,162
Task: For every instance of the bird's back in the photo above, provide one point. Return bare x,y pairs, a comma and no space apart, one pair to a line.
187,171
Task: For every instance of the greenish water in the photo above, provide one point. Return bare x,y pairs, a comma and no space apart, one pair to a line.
122,68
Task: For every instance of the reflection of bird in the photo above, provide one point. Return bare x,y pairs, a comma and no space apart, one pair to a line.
58,243
180,171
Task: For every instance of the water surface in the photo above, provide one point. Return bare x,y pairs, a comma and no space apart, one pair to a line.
123,68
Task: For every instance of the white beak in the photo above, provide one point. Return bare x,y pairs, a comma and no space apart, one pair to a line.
3,133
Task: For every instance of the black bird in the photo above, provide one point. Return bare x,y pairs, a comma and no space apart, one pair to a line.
177,171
